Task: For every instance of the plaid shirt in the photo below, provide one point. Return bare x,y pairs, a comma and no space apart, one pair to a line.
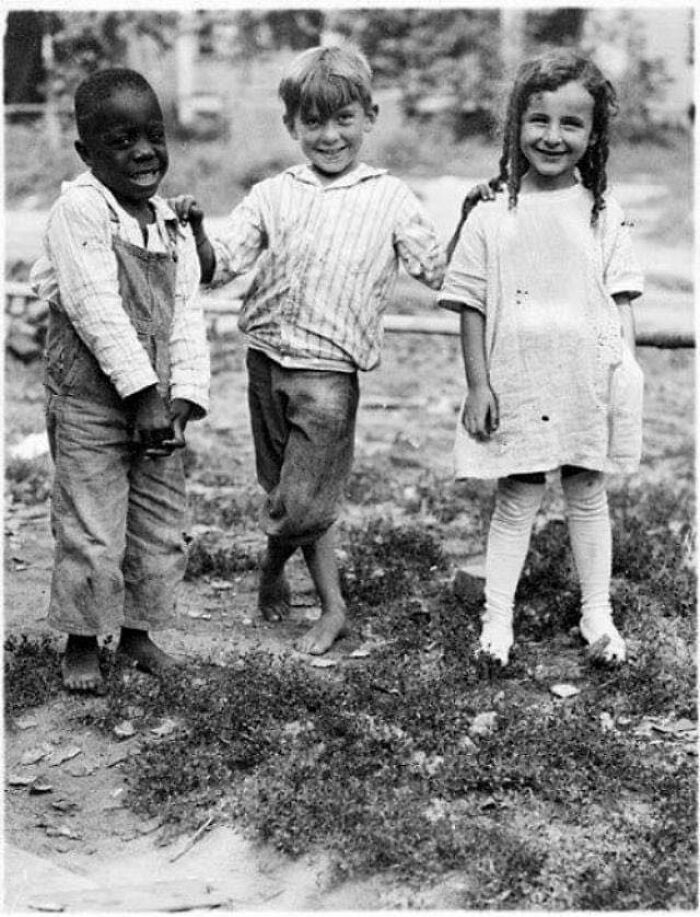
78,274
327,260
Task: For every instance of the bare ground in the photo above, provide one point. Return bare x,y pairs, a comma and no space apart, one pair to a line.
77,845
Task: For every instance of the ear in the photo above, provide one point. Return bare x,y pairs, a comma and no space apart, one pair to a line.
371,117
83,152
291,125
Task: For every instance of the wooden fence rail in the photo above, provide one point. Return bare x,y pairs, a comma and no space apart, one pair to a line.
218,307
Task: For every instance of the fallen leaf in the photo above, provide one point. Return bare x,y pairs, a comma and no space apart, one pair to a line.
19,780
359,654
565,690
33,755
40,786
64,805
607,723
124,730
64,754
166,728
483,723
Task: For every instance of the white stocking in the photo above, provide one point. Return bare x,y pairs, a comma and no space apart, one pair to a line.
591,544
516,506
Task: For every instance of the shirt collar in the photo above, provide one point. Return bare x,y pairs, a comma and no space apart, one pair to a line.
86,179
304,173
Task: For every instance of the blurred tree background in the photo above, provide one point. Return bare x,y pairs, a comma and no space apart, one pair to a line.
441,77
450,66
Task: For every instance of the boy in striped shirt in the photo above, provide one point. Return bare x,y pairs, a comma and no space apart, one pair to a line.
326,239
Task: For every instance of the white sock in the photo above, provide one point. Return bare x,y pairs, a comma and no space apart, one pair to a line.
591,544
516,506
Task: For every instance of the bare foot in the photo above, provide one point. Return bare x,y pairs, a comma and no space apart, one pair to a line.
274,597
330,627
80,665
143,652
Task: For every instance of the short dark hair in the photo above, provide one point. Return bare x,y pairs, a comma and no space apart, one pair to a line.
547,73
324,79
93,92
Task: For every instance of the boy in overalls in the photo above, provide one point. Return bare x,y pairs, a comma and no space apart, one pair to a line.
127,367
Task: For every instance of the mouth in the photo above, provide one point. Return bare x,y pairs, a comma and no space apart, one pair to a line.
331,154
145,178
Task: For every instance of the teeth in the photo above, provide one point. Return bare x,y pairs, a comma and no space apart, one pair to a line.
145,178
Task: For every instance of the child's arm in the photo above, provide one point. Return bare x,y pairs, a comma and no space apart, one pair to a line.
485,191
189,211
480,416
237,249
79,249
623,302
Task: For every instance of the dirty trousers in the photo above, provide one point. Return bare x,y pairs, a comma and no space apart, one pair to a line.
117,519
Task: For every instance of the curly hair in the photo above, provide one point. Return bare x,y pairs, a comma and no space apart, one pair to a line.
545,74
93,92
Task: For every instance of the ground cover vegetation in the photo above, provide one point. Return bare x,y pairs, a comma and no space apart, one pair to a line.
380,760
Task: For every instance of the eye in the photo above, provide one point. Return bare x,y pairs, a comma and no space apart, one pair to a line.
118,140
156,133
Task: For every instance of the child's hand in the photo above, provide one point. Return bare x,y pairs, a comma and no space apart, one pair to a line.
153,430
480,415
180,413
481,192
188,211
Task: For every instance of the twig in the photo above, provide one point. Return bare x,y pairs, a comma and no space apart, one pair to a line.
193,840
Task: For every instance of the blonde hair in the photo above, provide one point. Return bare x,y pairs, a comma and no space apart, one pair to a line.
323,79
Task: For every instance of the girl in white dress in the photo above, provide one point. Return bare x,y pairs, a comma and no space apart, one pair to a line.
543,278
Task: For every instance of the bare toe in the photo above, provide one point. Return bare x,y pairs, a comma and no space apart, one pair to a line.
275,600
330,627
81,673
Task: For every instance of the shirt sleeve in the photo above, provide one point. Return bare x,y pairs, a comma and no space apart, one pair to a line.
189,350
465,280
417,244
621,269
243,238
79,246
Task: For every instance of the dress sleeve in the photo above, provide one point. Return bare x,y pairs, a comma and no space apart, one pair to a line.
417,244
79,247
189,351
465,280
621,269
243,238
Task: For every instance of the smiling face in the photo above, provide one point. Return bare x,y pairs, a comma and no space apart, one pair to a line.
126,147
333,145
555,132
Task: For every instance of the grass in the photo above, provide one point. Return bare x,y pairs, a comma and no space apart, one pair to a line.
374,762
374,766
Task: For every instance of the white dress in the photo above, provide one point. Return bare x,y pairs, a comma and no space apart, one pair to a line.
569,391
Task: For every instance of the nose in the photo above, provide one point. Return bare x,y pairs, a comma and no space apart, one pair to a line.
143,148
329,131
552,134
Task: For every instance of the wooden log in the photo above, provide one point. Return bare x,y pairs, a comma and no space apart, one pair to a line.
429,323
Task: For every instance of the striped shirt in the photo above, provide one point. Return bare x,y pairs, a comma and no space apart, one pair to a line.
326,259
78,274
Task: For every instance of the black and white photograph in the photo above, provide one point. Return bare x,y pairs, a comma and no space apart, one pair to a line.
349,457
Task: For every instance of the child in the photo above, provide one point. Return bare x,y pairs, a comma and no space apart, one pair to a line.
543,278
326,238
127,367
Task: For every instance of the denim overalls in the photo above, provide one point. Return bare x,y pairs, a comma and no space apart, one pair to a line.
117,517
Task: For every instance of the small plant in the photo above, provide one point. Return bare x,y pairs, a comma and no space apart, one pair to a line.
210,554
29,480
387,563
32,672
